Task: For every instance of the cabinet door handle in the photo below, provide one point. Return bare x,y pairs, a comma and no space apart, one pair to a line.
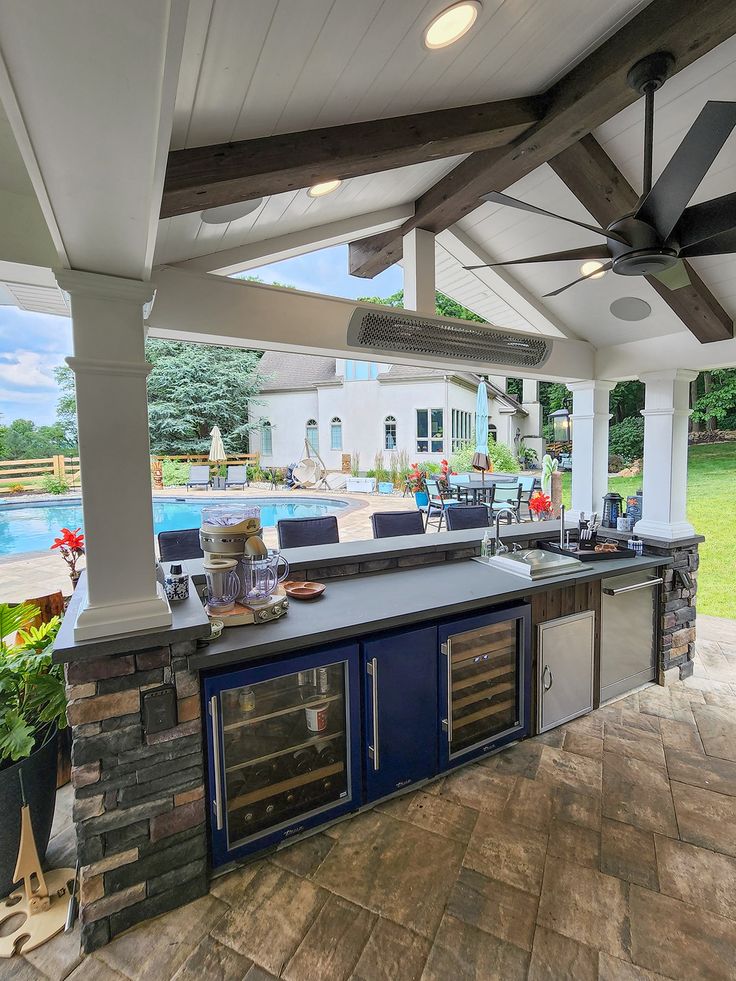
373,752
447,723
634,586
215,717
547,671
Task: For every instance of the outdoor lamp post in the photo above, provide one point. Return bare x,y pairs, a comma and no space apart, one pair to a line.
561,425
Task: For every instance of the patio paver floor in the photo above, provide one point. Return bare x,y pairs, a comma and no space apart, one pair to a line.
602,850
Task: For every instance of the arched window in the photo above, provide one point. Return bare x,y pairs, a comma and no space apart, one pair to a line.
389,433
336,434
266,438
313,434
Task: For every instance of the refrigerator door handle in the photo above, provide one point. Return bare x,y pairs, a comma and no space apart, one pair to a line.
634,586
215,717
373,752
447,723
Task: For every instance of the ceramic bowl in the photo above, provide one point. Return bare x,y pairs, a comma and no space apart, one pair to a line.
303,590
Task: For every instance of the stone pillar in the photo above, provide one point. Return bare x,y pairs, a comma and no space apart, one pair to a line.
666,412
419,278
110,370
590,417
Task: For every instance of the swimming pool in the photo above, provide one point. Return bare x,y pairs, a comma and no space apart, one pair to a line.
33,527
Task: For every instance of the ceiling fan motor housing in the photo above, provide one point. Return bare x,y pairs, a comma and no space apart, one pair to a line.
644,255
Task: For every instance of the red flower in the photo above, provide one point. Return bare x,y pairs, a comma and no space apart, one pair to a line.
71,540
540,503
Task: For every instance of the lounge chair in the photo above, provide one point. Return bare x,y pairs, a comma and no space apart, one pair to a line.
237,476
199,476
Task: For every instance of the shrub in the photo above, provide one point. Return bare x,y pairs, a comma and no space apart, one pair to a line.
500,455
381,473
432,468
16,488
355,464
615,463
175,473
528,457
54,485
626,439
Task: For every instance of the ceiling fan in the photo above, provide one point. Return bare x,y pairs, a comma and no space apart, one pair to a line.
662,231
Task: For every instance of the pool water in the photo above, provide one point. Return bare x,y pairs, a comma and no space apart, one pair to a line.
33,527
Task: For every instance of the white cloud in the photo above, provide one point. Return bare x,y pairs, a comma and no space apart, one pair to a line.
28,371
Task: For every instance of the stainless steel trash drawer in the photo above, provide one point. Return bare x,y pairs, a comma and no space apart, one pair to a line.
565,649
628,605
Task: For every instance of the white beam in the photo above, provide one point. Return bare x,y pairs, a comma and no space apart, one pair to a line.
590,417
467,252
240,258
622,361
419,281
217,310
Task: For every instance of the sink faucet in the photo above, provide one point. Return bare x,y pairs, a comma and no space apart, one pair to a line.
498,547
562,525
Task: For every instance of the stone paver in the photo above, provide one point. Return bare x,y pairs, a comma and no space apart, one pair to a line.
605,850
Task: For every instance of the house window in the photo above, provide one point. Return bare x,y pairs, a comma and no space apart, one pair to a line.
389,433
360,370
462,429
492,432
336,434
313,434
266,439
429,431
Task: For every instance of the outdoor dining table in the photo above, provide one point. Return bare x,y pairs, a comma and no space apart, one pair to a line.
479,489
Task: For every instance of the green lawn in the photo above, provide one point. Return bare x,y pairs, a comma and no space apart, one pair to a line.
711,509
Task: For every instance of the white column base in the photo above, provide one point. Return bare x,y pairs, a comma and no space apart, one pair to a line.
94,622
667,530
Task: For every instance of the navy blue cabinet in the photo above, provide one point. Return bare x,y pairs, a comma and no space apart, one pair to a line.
284,748
400,699
484,683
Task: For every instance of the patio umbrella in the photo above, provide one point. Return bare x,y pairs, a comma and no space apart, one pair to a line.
480,457
217,448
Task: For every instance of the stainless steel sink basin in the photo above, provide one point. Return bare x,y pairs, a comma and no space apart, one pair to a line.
533,563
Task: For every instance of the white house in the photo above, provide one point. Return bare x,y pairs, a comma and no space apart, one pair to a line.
342,406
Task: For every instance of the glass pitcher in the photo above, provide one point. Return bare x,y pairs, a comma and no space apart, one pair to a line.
223,584
261,575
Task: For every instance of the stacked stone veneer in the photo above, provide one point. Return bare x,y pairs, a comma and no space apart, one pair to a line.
677,613
139,799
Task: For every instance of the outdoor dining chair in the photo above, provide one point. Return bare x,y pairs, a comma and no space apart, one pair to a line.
176,545
237,476
467,516
391,524
529,484
437,505
199,476
295,532
507,496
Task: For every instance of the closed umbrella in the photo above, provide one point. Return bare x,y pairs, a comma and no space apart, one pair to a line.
480,457
217,448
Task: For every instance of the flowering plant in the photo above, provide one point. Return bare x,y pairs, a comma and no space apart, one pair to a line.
445,470
416,479
540,504
71,546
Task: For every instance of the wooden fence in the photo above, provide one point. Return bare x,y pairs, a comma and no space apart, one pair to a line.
233,459
30,473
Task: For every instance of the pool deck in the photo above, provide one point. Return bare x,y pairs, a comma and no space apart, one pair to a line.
32,574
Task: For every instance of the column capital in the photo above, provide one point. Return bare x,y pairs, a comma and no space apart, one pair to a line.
97,366
78,283
591,385
669,375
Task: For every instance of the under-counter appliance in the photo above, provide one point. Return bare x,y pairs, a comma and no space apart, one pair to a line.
565,660
628,632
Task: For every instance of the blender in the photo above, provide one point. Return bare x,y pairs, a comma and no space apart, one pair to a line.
260,576
223,585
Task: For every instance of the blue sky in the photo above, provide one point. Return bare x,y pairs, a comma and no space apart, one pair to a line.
32,344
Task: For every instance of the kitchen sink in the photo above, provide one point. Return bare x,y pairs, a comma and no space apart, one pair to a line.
533,563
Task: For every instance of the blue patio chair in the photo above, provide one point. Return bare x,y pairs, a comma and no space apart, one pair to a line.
505,496
456,481
295,532
237,476
199,476
175,545
468,516
437,506
392,524
529,484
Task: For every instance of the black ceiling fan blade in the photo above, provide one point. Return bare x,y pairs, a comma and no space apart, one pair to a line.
722,244
691,161
604,268
496,197
674,278
586,252
706,220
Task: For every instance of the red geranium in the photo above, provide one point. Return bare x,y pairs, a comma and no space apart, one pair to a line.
540,503
71,546
416,478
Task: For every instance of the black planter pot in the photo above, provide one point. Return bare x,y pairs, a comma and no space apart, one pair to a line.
39,781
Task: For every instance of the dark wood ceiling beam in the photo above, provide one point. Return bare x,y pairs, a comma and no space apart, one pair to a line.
210,176
602,189
586,97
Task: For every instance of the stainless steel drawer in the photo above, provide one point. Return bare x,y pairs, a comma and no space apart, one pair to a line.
565,649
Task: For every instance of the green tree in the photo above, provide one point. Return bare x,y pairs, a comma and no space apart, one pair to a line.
22,439
66,405
444,305
717,398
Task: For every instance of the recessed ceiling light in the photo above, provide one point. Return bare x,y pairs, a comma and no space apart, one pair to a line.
589,269
630,308
450,25
326,187
230,212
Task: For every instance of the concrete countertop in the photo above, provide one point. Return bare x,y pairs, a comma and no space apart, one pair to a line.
356,606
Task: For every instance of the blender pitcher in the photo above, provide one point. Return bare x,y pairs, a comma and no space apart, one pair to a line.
261,575
223,584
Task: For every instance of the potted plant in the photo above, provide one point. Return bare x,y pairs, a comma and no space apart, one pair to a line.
32,710
71,546
416,481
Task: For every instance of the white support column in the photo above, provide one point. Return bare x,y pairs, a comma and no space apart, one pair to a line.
110,369
419,279
590,417
666,411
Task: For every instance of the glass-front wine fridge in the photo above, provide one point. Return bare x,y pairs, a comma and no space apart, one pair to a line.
283,749
485,670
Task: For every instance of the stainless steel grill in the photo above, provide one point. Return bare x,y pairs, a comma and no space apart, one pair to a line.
405,333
